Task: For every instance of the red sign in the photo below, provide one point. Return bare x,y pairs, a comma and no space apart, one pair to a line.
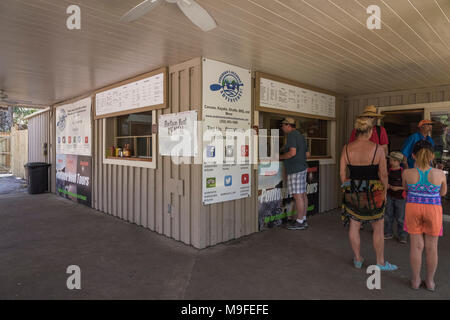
244,151
85,139
245,178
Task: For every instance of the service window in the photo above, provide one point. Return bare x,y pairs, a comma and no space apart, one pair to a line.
129,139
316,131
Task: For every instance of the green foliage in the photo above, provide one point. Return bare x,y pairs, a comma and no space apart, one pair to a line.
20,113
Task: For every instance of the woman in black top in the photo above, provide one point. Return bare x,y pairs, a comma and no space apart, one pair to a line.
364,191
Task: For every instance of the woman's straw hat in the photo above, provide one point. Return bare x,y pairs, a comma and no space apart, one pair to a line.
370,111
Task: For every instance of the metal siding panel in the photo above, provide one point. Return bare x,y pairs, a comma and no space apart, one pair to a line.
185,169
124,193
119,191
151,204
175,169
110,176
131,194
137,196
114,191
144,198
159,195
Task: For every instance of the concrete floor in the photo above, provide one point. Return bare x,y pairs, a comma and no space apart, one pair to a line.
41,235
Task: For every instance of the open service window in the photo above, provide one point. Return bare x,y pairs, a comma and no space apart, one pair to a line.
319,134
129,140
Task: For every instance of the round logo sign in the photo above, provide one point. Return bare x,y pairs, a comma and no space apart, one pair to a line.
230,86
61,124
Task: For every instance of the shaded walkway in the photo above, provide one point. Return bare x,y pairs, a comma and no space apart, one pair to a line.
41,235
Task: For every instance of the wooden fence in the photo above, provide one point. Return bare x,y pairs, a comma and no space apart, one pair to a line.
19,152
5,152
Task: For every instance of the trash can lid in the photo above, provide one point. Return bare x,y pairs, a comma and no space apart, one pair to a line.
36,164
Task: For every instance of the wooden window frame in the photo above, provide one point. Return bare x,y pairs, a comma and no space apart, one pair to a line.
131,162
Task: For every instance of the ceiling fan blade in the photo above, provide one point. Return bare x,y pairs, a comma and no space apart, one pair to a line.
199,16
140,10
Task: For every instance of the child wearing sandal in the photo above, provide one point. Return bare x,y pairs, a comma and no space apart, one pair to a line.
423,212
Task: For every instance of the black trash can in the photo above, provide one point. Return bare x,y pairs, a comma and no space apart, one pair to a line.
37,174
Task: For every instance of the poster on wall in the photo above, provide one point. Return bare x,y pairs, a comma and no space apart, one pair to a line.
226,116
74,178
178,134
73,128
274,201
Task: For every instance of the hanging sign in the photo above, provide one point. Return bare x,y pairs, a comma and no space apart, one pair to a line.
178,134
226,116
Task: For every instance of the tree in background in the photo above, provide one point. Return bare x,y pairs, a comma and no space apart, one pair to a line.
19,114
6,119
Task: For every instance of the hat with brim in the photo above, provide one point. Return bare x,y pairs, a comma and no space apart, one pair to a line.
288,121
395,155
424,122
370,111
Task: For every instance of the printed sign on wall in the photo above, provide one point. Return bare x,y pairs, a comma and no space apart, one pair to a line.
274,201
74,178
226,116
73,128
178,134
280,95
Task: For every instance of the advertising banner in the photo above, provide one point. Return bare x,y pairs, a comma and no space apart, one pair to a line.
74,178
274,201
73,128
178,134
226,116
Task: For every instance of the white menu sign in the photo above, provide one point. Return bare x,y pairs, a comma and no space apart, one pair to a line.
139,94
279,95
226,113
73,128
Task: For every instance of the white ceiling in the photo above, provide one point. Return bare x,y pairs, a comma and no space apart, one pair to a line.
324,43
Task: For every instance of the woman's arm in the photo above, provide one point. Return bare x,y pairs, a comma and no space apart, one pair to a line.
343,166
444,185
382,168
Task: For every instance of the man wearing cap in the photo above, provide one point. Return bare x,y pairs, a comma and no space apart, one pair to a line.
294,157
425,127
379,134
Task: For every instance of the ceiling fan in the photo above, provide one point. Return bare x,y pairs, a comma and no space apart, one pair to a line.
198,16
5,101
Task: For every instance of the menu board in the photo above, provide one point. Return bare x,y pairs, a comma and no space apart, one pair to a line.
135,96
283,96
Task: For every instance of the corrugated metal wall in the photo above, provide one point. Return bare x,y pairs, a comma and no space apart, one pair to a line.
38,134
355,104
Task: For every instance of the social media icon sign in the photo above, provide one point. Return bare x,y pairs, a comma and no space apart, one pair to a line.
228,181
245,178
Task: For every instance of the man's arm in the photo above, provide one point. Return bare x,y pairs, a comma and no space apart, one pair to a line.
291,153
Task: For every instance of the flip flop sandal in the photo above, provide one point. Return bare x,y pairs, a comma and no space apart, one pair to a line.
358,264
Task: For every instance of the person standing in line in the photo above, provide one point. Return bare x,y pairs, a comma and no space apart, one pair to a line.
425,127
364,191
294,158
423,212
396,199
379,134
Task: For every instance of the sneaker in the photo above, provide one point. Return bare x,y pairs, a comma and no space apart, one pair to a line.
388,236
403,239
298,226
